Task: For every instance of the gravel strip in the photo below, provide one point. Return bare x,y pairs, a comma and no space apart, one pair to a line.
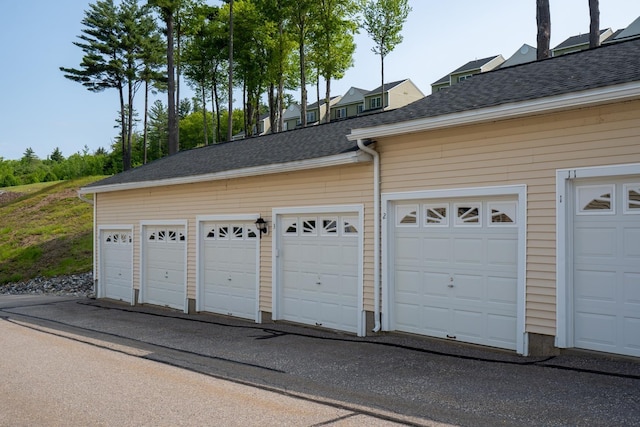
74,284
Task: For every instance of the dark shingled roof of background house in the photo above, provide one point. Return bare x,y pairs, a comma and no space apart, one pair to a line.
604,66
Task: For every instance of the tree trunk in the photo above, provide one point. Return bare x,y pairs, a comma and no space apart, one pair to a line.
273,107
303,82
204,115
129,121
543,18
216,102
230,121
594,27
126,162
382,81
144,125
327,101
171,88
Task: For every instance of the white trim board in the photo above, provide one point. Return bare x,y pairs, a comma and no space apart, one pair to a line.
275,241
564,255
520,191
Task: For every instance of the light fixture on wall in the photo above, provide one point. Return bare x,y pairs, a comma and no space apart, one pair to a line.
261,225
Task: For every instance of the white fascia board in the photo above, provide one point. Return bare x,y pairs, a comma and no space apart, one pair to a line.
586,98
336,160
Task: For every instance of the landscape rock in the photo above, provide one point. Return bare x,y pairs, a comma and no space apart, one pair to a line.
73,284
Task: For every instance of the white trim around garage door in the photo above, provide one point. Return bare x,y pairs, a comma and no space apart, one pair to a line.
519,191
200,219
101,291
276,280
564,251
146,223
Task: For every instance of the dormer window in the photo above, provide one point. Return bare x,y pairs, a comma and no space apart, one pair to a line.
311,116
341,113
375,102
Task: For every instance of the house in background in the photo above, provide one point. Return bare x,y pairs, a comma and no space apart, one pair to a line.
291,117
396,95
523,55
466,71
351,104
632,31
578,43
317,112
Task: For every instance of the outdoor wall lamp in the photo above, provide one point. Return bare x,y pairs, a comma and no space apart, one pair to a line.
261,225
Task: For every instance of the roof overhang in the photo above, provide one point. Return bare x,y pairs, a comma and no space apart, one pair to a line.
592,97
321,162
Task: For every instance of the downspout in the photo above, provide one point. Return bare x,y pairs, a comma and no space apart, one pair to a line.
376,232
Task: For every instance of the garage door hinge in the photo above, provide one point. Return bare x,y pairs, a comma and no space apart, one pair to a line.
453,337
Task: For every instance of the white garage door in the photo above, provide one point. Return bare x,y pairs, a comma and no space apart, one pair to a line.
606,267
164,266
455,269
228,268
319,270
116,250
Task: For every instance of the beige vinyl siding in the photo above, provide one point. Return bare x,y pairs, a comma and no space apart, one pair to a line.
344,185
519,151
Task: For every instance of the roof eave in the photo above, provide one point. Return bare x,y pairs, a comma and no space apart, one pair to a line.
622,92
321,162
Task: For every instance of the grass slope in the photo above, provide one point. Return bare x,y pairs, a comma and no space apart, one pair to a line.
45,230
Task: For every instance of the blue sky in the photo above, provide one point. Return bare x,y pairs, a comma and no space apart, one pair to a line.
43,110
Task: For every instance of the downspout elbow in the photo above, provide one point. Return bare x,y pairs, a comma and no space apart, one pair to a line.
376,232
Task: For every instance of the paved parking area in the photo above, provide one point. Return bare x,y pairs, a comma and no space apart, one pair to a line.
389,378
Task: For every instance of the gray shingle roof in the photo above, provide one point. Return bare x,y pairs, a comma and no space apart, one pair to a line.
604,66
296,145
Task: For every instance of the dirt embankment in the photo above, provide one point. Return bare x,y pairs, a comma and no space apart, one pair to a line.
8,196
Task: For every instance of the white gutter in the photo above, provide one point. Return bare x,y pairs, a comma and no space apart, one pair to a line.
376,232
335,160
626,91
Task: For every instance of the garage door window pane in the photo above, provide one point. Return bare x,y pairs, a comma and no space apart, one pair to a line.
223,232
238,232
329,226
595,200
407,215
290,226
349,226
309,226
468,214
436,215
632,198
211,234
251,233
502,213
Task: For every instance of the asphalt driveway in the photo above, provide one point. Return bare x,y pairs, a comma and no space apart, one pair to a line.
388,378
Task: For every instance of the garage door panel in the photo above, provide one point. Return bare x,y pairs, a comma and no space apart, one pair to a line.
596,243
116,271
434,284
595,285
408,250
596,331
502,252
502,290
631,326
436,250
631,236
318,265
465,276
228,266
631,291
468,251
468,287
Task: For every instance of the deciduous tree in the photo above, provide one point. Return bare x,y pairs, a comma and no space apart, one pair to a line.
383,20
